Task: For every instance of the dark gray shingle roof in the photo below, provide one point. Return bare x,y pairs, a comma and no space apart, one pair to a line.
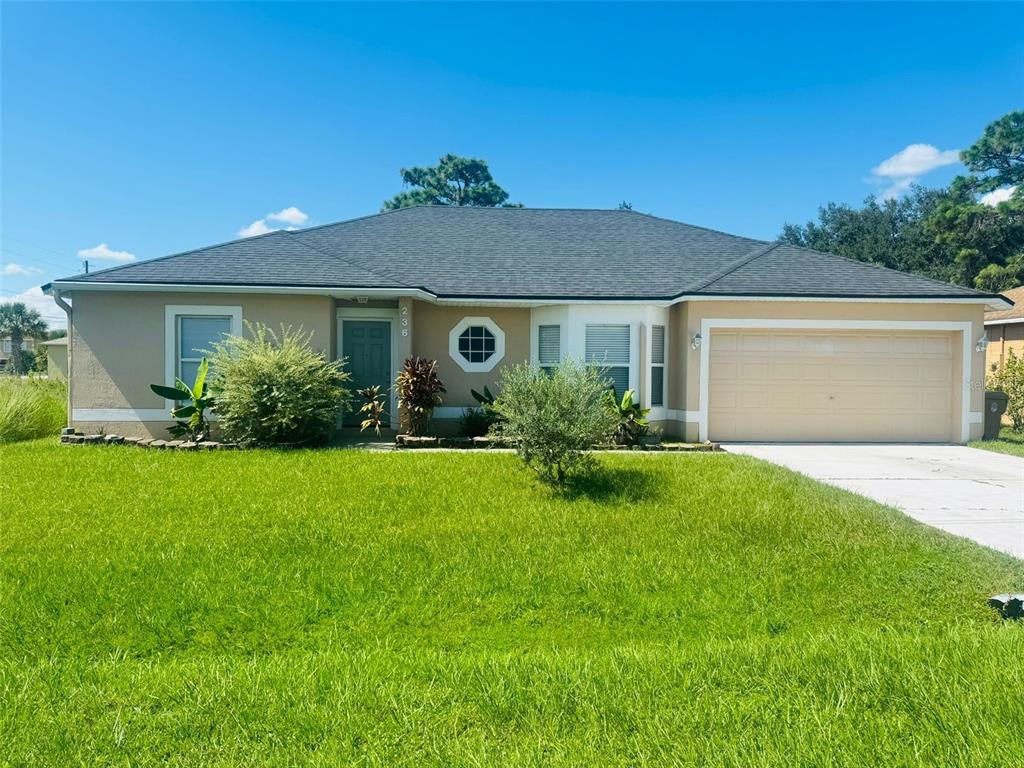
526,253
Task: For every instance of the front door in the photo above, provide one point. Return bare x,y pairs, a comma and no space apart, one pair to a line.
367,346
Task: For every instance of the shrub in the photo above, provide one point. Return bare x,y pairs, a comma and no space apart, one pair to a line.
31,408
475,422
419,393
630,417
1010,379
553,417
275,389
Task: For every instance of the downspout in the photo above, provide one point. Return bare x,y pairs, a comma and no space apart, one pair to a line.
67,310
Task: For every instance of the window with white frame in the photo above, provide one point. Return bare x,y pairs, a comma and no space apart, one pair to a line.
196,336
607,346
190,332
657,365
549,346
477,344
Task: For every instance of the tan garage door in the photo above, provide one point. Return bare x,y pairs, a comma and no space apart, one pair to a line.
831,386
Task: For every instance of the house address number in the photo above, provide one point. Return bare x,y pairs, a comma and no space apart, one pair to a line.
405,321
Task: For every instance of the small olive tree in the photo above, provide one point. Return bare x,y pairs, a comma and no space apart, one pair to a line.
1010,379
553,417
275,389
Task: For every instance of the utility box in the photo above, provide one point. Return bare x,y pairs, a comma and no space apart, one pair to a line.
995,407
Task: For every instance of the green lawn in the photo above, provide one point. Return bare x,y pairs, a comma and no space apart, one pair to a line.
1008,442
367,608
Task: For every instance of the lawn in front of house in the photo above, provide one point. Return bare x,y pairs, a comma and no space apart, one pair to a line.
1009,441
387,608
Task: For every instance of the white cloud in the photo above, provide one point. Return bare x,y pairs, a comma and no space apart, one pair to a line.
35,299
16,269
903,169
997,196
258,227
290,215
102,252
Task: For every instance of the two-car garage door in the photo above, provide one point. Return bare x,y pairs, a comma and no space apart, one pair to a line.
832,386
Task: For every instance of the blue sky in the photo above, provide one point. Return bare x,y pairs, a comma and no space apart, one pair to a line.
149,129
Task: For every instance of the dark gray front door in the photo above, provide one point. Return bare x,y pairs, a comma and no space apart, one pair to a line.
367,345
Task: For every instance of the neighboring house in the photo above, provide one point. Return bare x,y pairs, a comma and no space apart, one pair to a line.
28,345
56,357
723,337
1005,329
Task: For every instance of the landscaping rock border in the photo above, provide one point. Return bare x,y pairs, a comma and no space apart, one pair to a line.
413,442
70,437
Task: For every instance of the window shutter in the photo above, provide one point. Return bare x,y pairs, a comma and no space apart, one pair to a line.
549,344
658,344
608,344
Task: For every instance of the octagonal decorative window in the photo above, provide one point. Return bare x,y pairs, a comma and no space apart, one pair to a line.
477,344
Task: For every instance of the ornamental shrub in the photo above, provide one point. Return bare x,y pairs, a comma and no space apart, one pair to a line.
419,393
275,389
31,408
1010,379
554,416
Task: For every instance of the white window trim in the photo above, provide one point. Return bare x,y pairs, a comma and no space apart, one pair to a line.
171,314
966,369
486,365
384,314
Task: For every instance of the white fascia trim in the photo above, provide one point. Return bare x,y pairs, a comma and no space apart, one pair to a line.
120,414
340,292
489,363
171,313
1009,321
829,325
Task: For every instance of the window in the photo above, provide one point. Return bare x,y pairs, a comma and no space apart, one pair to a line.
189,329
549,346
477,344
657,365
608,347
196,337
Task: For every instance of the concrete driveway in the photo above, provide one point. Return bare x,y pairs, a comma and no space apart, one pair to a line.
966,491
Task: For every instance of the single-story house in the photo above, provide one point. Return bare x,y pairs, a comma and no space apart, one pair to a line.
723,337
56,357
1005,329
28,346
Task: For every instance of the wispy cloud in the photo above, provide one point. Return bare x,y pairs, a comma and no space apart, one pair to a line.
997,196
291,216
102,252
16,269
904,168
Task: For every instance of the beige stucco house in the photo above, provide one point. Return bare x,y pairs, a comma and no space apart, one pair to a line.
1005,329
56,357
723,337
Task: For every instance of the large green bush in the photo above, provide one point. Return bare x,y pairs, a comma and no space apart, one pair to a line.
274,389
31,408
553,417
1010,379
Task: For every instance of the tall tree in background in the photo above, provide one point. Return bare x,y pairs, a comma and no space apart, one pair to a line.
17,322
971,233
453,181
982,219
891,233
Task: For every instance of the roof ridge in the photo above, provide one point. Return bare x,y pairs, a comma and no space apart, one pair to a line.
294,234
732,267
683,223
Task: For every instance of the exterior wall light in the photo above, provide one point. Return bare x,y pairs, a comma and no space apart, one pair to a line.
695,341
982,344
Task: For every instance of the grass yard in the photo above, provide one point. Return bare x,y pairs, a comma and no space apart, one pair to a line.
362,608
1008,442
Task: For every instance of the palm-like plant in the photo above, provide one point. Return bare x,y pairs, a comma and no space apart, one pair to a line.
192,423
18,322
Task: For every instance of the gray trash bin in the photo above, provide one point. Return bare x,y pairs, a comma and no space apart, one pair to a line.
995,407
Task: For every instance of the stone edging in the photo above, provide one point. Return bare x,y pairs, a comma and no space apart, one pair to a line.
77,438
411,442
